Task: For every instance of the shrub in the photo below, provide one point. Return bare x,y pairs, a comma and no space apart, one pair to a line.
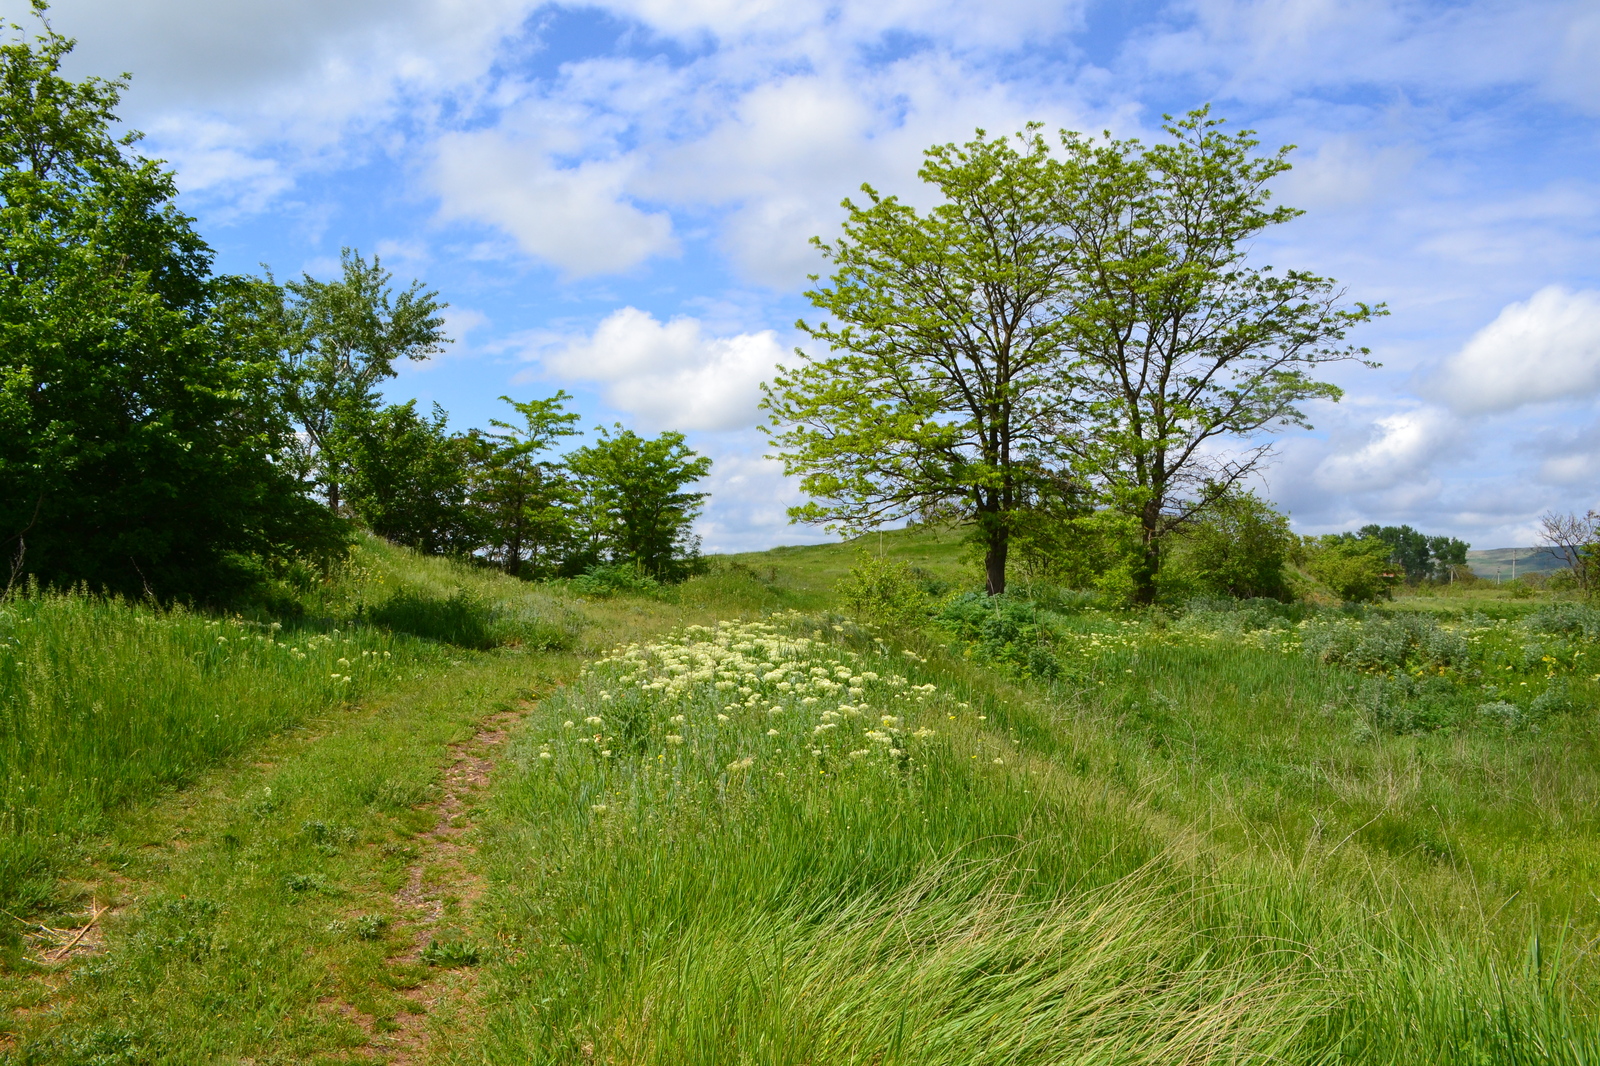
1355,569
1238,549
1574,618
1004,630
608,579
885,592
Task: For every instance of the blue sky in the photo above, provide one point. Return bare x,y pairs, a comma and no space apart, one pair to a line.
616,198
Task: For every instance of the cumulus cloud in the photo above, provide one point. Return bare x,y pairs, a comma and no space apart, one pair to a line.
1539,350
1397,453
578,217
750,498
671,375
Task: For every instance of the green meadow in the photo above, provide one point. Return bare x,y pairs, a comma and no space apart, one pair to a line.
433,814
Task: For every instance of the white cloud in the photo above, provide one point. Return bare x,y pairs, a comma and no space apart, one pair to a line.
1397,454
970,23
750,498
1345,170
1539,350
577,217
245,95
671,375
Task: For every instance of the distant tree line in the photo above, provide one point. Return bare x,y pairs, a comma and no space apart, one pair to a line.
1241,547
168,430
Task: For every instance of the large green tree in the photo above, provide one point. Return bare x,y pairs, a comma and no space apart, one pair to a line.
943,390
1188,358
409,478
140,445
341,340
633,506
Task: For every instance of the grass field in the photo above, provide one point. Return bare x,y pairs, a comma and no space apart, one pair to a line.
723,824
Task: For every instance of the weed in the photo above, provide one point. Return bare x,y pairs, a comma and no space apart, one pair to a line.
450,954
371,926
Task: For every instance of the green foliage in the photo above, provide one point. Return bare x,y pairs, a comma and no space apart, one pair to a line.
1075,550
1180,342
407,478
1420,556
339,341
633,508
883,592
1240,547
141,445
525,501
1073,328
608,579
1010,632
943,392
1356,569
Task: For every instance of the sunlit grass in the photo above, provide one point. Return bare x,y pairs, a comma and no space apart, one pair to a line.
105,702
689,875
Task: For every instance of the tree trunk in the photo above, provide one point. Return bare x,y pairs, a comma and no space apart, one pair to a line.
333,496
514,555
994,559
1148,565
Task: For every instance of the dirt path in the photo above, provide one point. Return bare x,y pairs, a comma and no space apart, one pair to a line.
440,890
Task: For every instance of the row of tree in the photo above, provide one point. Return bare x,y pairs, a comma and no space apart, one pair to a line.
1064,334
167,429
502,496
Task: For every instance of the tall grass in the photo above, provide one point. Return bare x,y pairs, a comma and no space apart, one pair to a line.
745,846
104,702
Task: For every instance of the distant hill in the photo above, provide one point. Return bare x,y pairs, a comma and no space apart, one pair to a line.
1490,562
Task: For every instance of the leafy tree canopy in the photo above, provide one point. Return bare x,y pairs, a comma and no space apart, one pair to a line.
943,392
1080,326
1418,555
634,509
141,447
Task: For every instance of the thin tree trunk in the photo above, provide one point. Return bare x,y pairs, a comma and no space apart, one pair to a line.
994,559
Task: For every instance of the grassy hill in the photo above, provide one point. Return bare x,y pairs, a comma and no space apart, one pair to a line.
1492,562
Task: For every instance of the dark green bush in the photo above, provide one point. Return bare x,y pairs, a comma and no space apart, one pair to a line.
608,579
1004,630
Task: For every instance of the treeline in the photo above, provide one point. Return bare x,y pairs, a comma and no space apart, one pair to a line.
1240,547
169,430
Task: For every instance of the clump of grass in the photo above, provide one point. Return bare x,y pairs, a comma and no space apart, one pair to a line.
450,954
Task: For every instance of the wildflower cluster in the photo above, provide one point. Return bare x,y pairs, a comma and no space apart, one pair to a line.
744,695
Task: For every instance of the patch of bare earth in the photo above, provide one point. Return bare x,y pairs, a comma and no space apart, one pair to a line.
440,890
